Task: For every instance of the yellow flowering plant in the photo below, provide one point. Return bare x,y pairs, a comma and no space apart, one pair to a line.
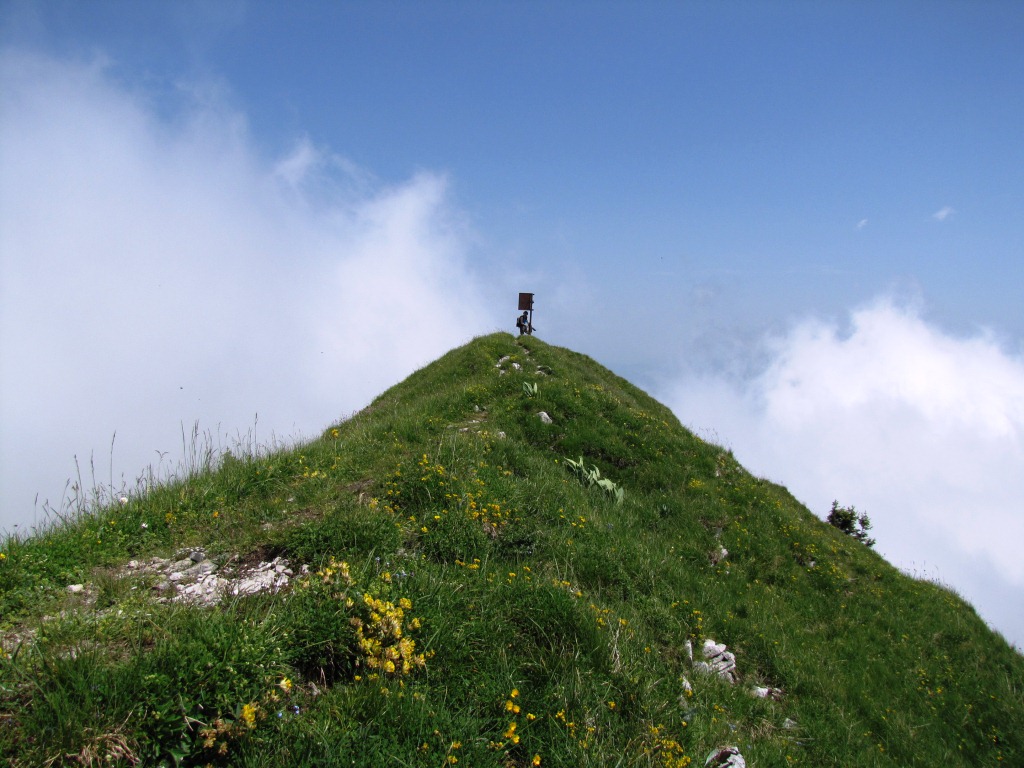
346,632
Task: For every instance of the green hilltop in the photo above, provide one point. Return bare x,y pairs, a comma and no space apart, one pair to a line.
451,577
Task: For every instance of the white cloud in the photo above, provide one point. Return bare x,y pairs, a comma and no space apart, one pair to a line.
157,271
862,223
922,430
943,213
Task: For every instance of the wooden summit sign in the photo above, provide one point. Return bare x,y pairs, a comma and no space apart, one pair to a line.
525,321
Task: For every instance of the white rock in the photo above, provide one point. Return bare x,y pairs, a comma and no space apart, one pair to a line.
720,661
74,589
727,757
202,568
545,418
712,649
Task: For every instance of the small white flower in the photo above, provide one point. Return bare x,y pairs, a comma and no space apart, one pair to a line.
123,500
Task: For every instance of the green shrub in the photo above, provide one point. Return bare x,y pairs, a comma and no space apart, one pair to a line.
849,522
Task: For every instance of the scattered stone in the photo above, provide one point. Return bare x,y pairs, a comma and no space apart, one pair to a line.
767,692
74,589
545,418
197,555
726,757
517,366
203,568
719,556
720,661
789,724
273,576
689,651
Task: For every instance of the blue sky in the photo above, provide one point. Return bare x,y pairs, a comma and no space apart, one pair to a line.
797,223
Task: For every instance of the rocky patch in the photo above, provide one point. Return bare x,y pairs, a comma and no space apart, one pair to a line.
198,580
719,661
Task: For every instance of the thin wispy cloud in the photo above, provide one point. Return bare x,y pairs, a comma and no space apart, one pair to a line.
862,223
943,213
921,429
158,270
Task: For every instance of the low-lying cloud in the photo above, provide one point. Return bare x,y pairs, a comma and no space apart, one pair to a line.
158,270
922,430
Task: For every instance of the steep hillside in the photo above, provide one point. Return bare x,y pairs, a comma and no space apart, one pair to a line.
512,558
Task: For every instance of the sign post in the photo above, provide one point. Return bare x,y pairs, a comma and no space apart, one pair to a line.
525,321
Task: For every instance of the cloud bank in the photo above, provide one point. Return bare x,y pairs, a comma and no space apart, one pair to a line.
922,430
158,270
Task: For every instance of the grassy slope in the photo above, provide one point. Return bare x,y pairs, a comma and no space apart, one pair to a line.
534,600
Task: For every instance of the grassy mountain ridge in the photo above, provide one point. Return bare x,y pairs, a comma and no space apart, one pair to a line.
472,596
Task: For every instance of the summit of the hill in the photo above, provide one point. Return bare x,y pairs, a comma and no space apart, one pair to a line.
514,557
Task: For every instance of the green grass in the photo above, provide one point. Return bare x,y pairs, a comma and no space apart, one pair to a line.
447,535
